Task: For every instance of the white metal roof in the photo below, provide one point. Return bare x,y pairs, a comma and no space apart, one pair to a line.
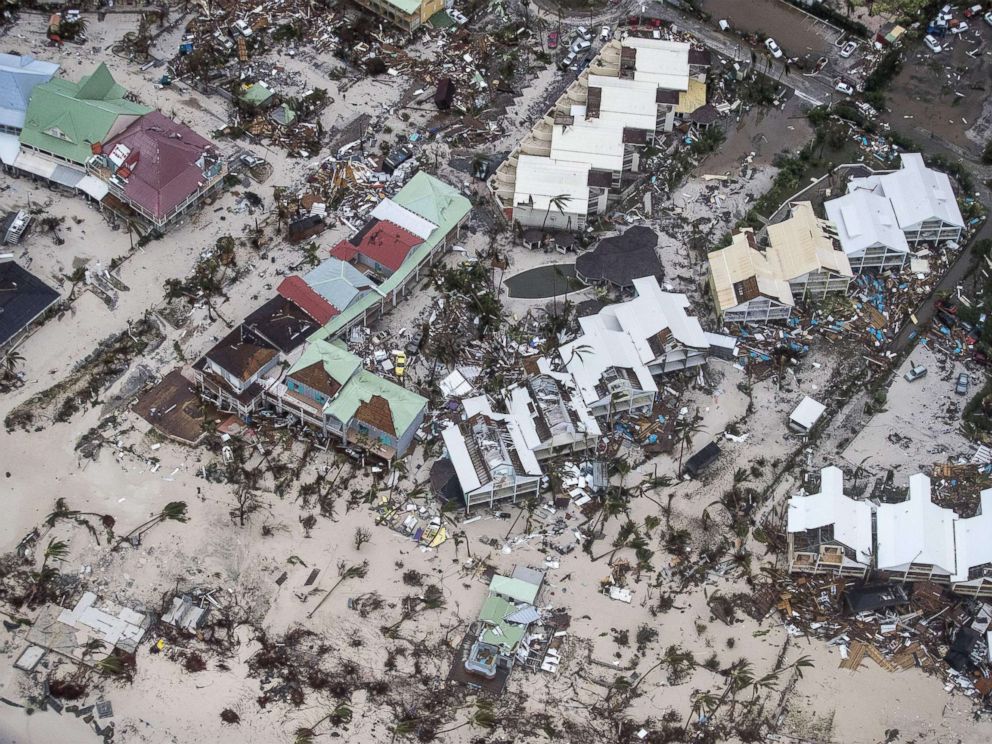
630,103
652,311
539,179
808,412
916,531
664,63
596,350
917,193
454,442
597,143
524,408
973,539
864,219
390,211
851,519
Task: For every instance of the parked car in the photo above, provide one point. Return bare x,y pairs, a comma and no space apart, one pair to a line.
964,380
457,17
988,17
848,49
932,44
244,28
399,363
605,33
413,345
915,373
960,28
974,10
569,60
553,40
846,88
773,48
580,45
223,41
724,25
583,33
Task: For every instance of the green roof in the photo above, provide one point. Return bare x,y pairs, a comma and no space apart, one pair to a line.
404,404
256,94
339,363
494,609
67,118
408,7
433,200
441,19
516,589
504,634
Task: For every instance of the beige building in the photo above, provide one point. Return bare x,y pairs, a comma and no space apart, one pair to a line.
802,262
581,155
408,15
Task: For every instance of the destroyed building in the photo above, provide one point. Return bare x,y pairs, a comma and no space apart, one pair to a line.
922,200
551,414
586,151
803,261
504,621
624,345
910,540
491,458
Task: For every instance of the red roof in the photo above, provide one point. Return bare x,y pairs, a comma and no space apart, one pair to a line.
384,243
297,291
163,162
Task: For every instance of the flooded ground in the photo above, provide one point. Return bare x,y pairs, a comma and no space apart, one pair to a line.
764,132
797,33
942,95
544,281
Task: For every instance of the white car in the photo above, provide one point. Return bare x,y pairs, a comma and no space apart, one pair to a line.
932,44
583,33
605,33
844,88
988,17
457,17
773,48
568,61
243,28
848,49
724,25
580,45
960,28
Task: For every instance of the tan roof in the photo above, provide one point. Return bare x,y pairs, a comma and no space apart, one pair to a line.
740,272
803,243
693,98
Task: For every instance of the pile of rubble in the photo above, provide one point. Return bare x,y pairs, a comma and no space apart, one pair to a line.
897,626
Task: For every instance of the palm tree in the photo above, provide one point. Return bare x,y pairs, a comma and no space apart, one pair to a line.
57,550
686,430
12,360
345,572
559,202
174,511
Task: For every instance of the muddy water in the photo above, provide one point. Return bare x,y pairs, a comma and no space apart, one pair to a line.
795,32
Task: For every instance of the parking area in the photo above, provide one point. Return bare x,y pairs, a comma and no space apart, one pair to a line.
796,32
